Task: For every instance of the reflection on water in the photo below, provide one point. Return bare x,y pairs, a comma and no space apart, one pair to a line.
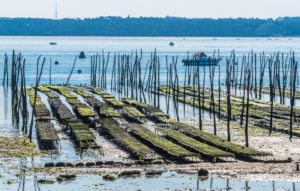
5,99
167,181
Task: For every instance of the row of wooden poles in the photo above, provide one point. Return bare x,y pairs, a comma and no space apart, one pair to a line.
17,79
282,70
131,78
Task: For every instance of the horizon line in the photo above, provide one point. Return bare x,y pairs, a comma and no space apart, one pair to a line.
138,17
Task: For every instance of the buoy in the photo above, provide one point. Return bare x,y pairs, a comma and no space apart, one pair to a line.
202,172
82,55
79,71
171,44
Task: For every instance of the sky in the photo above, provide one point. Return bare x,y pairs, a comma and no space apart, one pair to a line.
148,8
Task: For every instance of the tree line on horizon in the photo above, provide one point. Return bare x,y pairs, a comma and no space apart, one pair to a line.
152,26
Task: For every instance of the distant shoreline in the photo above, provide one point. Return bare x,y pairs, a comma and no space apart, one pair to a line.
154,27
148,37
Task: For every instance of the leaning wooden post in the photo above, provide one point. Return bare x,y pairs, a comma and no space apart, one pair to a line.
263,64
71,71
38,77
184,89
5,71
199,101
22,103
228,86
244,90
247,108
272,93
219,91
50,71
293,78
158,79
285,72
255,77
203,88
242,72
212,100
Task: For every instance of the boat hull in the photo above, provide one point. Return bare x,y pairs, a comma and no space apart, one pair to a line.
202,62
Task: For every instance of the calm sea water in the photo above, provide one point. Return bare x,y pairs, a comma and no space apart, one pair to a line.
69,47
65,52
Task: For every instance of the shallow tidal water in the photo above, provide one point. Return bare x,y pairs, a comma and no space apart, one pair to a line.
69,47
65,52
167,181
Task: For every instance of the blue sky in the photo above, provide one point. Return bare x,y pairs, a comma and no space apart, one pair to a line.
158,8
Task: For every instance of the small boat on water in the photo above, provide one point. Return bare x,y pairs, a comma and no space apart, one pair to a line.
200,58
171,44
53,43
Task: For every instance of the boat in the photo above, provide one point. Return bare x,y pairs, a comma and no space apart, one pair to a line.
53,43
171,44
200,58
